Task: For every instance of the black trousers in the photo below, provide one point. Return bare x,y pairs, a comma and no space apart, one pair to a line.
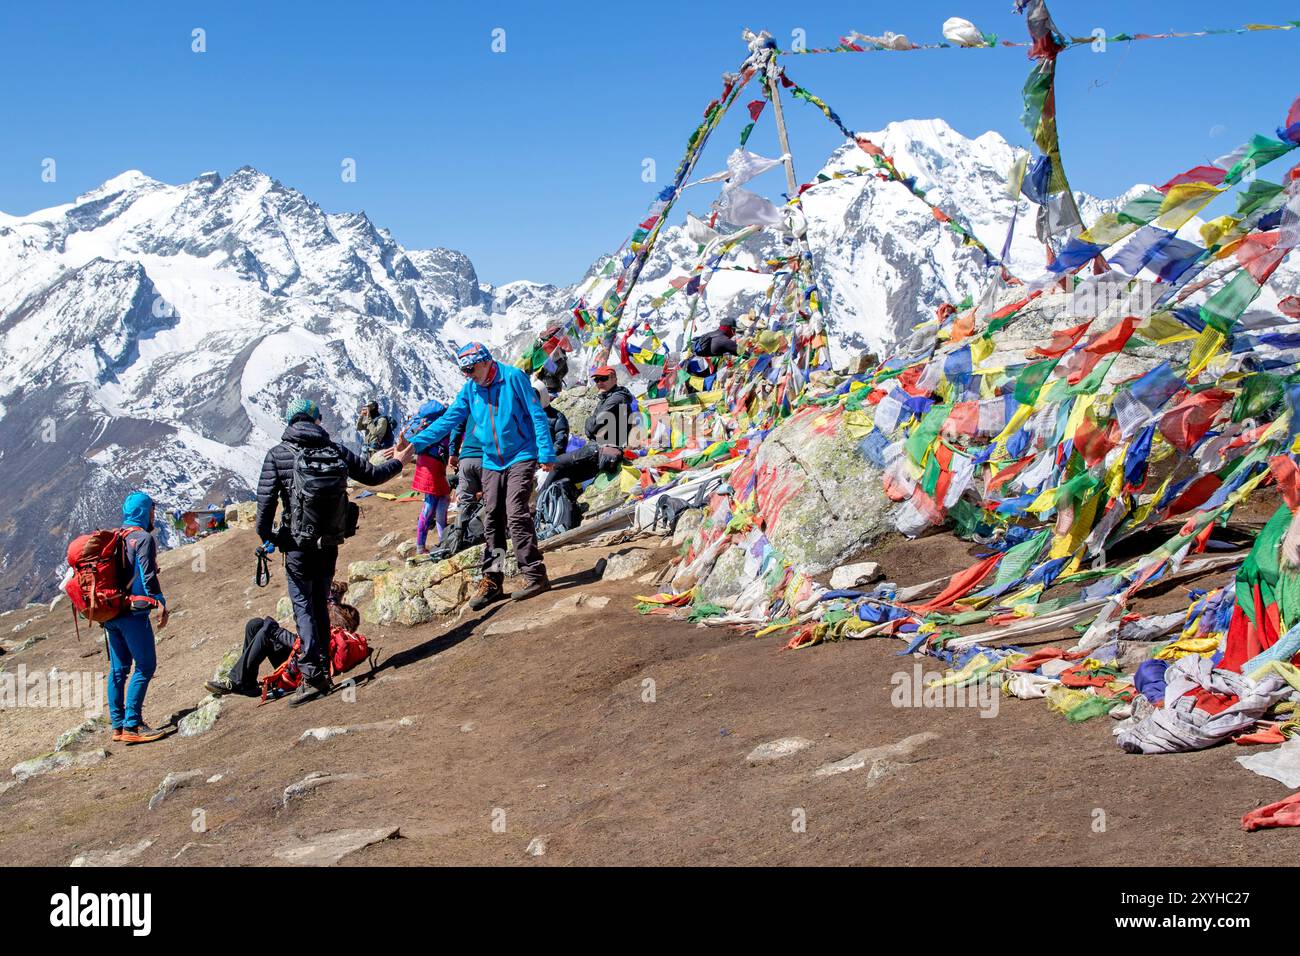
578,466
505,509
308,574
264,640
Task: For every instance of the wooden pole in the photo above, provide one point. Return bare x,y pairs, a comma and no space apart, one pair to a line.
774,91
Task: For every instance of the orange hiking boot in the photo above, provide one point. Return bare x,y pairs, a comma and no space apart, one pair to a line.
485,592
117,734
141,734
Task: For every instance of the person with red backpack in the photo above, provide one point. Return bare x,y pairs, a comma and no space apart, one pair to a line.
130,637
306,476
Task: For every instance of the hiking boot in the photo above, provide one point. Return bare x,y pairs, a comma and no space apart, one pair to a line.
117,734
531,589
310,690
221,687
484,594
141,734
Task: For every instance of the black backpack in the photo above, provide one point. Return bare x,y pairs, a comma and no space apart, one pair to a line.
669,509
702,345
320,513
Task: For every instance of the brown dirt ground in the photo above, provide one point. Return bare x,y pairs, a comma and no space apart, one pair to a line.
549,726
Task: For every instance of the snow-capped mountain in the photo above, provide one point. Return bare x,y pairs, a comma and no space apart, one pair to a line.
151,334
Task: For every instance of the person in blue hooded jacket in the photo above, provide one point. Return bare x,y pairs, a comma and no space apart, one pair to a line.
130,637
508,423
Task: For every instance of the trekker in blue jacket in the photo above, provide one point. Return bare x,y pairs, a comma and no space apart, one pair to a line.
130,638
507,422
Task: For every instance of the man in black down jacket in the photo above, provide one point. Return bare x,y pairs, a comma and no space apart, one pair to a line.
607,427
308,569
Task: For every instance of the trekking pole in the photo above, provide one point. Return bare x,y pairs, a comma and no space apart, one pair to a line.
262,576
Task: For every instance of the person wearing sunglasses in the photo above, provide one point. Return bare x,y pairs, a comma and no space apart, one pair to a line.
501,407
607,429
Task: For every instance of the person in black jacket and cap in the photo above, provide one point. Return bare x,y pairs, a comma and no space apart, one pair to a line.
715,344
607,429
308,567
559,422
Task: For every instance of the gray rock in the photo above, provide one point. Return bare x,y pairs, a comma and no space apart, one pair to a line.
119,857
536,846
310,782
326,849
55,762
202,719
854,575
171,783
876,755
406,548
70,738
367,570
776,749
284,609
625,564
558,612
327,733
688,522
358,592
388,540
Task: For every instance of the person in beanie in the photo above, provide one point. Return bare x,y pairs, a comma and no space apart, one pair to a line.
308,568
506,419
130,638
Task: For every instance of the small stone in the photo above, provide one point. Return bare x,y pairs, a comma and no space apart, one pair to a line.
328,848
202,719
171,783
119,857
850,576
468,727
387,540
536,846
406,548
70,738
776,749
873,755
326,733
55,762
307,784
216,778
284,609
625,564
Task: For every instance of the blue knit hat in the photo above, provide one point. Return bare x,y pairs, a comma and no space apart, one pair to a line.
302,406
472,354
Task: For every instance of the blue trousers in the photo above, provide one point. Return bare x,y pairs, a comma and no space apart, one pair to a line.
130,640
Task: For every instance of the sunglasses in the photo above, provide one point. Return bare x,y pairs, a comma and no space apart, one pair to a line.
603,378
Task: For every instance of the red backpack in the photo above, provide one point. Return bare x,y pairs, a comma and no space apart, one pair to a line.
100,584
347,650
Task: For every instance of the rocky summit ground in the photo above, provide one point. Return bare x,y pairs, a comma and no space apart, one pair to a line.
564,731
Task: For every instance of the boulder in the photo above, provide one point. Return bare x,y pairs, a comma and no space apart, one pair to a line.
322,734
726,579
367,570
284,610
202,719
854,575
406,548
822,501
688,522
625,564
358,592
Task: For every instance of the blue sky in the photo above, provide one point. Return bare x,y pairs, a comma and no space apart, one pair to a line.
530,161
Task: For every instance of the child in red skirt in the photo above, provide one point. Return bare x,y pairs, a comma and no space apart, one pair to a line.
430,477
